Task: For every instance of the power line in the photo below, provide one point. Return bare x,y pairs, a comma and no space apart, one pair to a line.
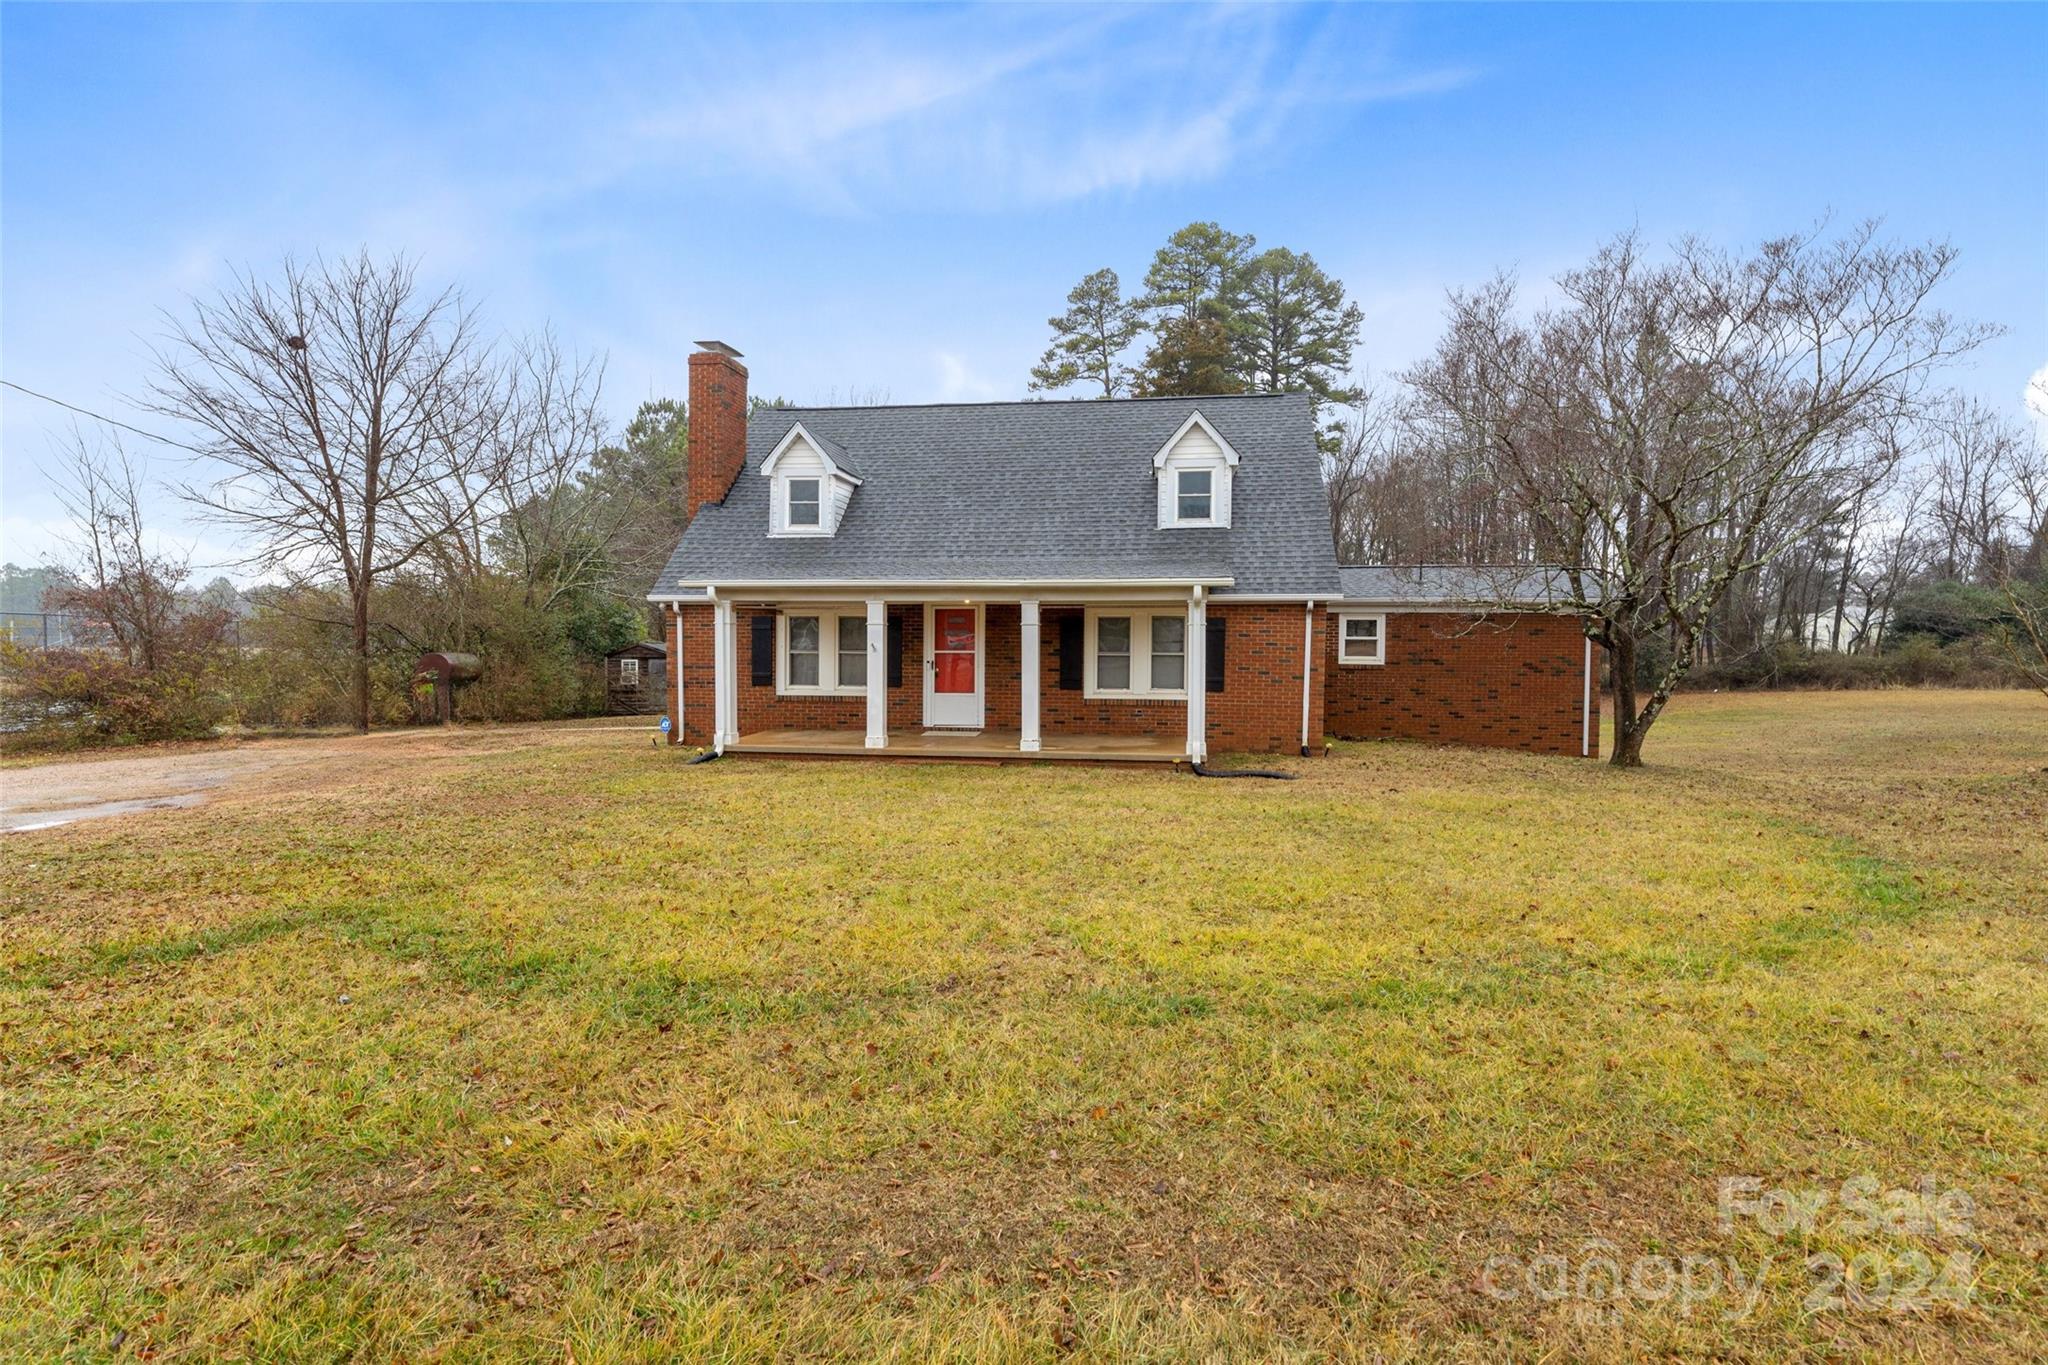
100,417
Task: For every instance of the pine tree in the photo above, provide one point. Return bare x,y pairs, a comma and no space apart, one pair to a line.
1295,330
1090,338
1189,356
1195,276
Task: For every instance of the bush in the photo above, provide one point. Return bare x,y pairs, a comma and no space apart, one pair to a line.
65,697
1918,661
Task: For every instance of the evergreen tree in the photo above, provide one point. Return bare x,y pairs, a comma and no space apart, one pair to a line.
1196,275
1090,338
1295,330
1189,356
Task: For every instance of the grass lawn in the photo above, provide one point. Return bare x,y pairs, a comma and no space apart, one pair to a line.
549,1047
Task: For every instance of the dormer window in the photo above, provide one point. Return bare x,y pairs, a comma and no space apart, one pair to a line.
803,502
813,483
1195,469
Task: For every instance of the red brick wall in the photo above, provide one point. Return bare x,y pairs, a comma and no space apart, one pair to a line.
718,426
692,654
1259,708
1071,713
762,709
1511,682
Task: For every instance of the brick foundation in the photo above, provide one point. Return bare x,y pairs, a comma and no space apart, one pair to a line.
1511,682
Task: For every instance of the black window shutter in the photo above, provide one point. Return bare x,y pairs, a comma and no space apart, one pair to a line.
762,660
1070,654
1212,669
895,651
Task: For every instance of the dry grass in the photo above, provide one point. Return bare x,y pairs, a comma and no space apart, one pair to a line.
534,1046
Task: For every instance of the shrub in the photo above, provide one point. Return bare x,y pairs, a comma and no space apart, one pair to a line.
1918,661
62,697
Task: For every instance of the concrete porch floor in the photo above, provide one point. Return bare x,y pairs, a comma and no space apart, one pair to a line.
989,745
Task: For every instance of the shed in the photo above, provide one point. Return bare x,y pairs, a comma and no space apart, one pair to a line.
635,679
434,680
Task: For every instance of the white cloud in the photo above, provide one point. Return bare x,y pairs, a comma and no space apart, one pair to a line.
958,382
1007,110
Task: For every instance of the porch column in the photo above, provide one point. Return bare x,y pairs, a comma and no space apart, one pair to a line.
878,674
1197,646
1027,682
725,721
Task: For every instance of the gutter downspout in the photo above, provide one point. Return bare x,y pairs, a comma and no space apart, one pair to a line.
1308,666
1586,707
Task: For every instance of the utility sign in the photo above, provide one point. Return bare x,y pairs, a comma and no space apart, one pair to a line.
665,725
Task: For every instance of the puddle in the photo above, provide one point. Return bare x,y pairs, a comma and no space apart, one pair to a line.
17,822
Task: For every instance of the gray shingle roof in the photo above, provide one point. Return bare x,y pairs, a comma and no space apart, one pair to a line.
1007,492
1453,585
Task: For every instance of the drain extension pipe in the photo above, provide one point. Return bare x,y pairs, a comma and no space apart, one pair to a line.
708,756
1201,771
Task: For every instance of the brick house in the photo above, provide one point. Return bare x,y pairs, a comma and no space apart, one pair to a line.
1123,580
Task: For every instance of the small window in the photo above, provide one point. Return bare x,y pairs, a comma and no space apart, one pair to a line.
1363,640
1113,654
629,672
803,651
853,651
803,502
1169,653
1195,489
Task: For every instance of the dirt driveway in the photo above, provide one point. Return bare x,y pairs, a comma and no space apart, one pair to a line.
40,795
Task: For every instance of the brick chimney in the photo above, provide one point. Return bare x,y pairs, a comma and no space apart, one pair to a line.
718,422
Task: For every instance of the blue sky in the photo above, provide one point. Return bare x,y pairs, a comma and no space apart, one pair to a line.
895,199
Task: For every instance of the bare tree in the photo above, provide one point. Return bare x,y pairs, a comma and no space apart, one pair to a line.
1669,427
1990,491
110,575
359,419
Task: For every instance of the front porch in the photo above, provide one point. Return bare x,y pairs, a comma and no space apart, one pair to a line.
1106,678
985,745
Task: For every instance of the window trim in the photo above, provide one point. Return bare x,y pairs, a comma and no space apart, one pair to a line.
828,684
1180,516
789,504
629,672
1344,619
840,651
1141,688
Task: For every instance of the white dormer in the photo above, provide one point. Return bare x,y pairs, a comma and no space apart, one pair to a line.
1195,469
810,482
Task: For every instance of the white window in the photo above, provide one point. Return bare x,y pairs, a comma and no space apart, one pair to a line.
803,634
1137,654
1195,468
1169,653
822,653
1361,639
629,672
803,503
853,652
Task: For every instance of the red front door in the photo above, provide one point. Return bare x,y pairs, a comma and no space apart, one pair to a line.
953,649
955,691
